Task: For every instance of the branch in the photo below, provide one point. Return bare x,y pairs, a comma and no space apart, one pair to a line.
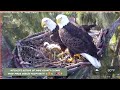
36,40
105,36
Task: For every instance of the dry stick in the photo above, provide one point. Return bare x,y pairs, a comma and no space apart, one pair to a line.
35,36
39,36
18,48
46,63
78,64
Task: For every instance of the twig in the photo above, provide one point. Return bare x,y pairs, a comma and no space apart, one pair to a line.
78,64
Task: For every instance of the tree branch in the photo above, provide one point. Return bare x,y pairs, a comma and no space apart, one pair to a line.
105,36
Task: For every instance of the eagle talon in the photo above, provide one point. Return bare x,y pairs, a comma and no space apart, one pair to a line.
78,56
70,60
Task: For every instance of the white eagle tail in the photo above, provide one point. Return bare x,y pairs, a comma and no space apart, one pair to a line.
92,60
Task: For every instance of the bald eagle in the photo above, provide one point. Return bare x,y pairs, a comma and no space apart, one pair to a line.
77,40
52,26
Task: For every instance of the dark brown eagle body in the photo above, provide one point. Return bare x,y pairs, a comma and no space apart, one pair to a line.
55,37
87,28
77,40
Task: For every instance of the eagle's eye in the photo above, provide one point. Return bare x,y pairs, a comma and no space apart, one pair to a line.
46,20
44,23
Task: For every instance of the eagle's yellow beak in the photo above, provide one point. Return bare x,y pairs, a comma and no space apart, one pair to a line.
43,24
58,20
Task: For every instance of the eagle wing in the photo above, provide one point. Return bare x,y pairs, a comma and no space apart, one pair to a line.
78,32
77,40
55,37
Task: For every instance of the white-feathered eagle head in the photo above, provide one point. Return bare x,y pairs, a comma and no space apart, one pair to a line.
62,20
47,22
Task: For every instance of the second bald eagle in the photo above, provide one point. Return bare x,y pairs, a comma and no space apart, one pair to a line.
77,41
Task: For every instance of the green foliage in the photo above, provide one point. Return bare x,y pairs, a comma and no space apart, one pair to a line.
17,26
86,18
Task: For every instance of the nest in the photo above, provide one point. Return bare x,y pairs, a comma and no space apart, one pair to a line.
30,52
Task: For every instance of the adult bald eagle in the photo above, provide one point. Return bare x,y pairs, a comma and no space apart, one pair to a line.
52,26
77,40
